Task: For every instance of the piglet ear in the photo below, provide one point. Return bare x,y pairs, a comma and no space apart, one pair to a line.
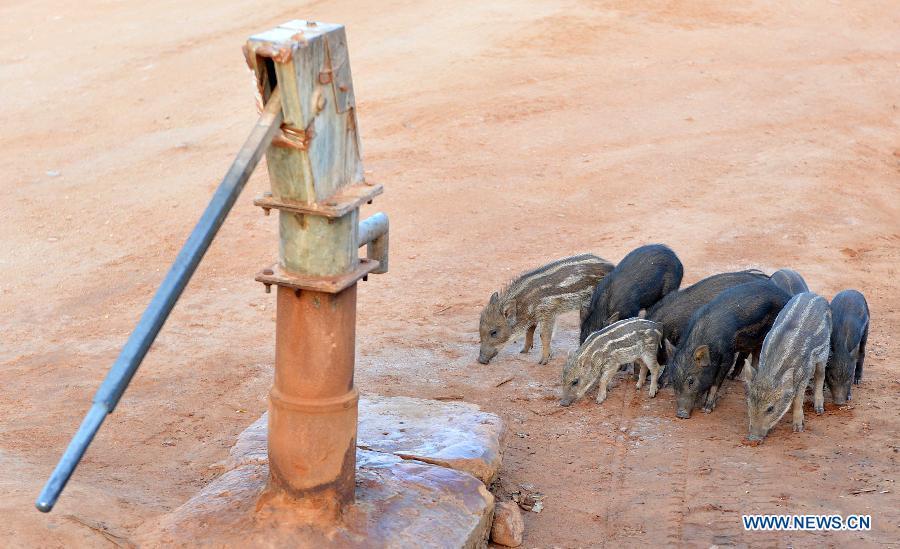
509,311
670,350
495,299
701,356
748,372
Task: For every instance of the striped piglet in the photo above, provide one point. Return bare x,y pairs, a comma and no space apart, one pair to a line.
601,354
538,297
795,349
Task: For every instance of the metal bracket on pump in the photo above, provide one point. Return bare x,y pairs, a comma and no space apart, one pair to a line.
315,166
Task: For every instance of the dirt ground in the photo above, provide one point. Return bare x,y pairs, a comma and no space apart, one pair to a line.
763,135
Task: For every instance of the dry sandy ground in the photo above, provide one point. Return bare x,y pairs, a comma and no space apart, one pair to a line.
764,135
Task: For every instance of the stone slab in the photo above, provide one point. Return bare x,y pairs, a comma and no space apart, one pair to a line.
419,485
457,435
399,503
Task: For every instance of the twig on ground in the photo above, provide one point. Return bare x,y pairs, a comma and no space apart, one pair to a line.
505,381
100,528
550,413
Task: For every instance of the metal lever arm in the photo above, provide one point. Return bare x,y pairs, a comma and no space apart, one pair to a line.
166,296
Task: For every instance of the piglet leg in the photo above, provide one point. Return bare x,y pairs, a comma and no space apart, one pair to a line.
819,380
546,337
798,411
529,338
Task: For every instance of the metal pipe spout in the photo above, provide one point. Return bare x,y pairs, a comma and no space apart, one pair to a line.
373,233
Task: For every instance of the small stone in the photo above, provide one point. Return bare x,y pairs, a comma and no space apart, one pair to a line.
508,524
52,173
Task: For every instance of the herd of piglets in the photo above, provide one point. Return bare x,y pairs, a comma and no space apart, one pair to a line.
769,330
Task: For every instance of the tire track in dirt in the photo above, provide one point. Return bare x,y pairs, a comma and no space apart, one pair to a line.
760,501
677,480
645,487
646,492
619,464
720,491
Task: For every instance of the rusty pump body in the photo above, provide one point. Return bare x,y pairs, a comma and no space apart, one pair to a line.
316,175
317,185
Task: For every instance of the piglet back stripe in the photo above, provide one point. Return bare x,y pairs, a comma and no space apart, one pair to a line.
623,332
800,333
624,326
574,268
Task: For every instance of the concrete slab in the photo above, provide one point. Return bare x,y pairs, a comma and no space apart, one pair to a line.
435,501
